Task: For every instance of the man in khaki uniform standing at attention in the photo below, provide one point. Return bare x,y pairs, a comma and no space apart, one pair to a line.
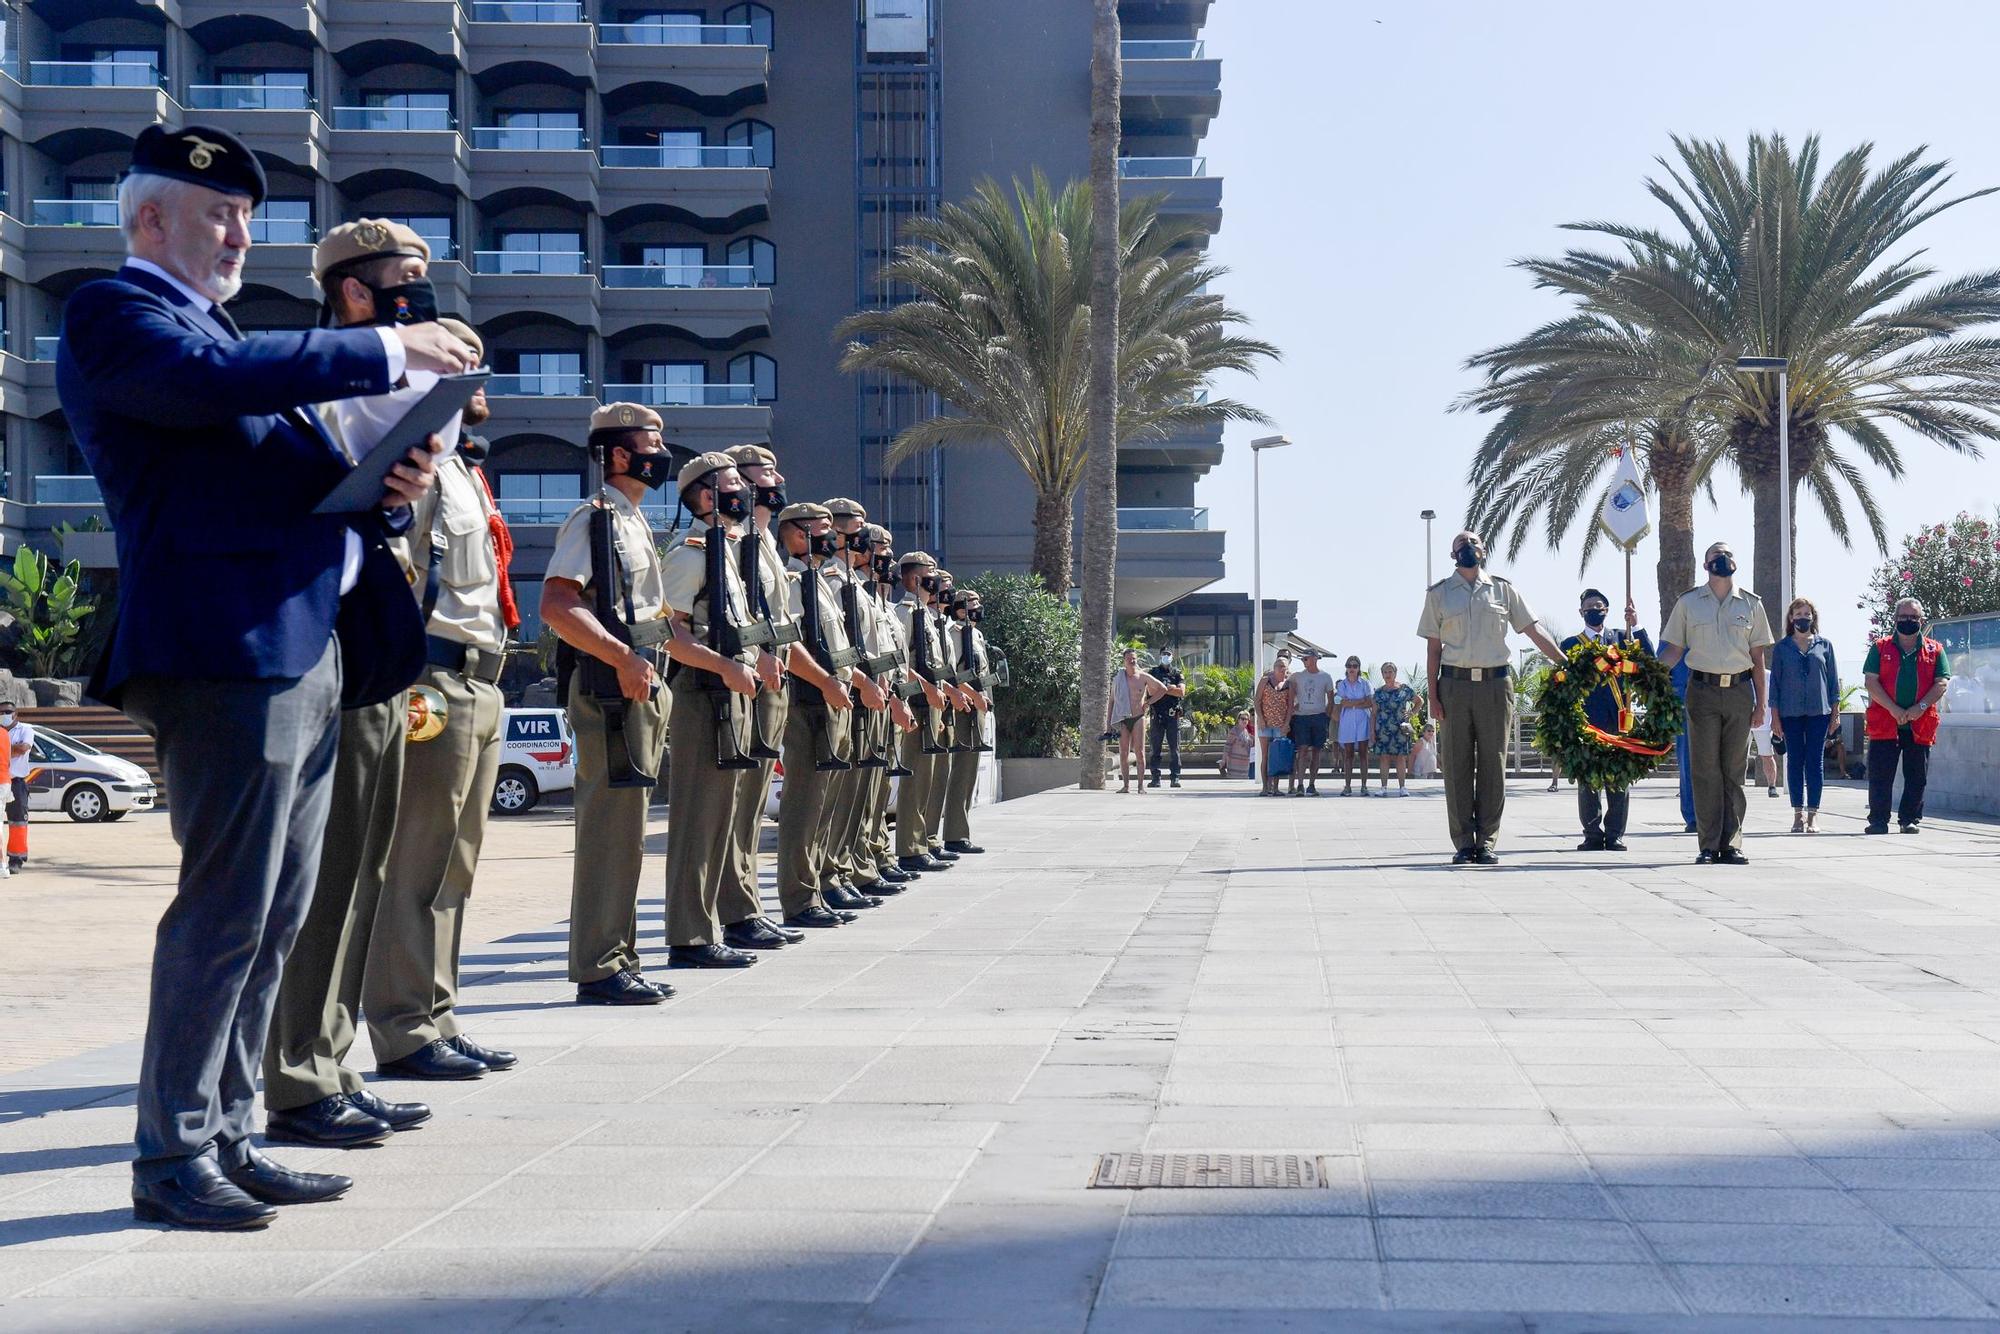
715,678
611,821
937,786
928,664
877,845
859,794
1724,634
962,780
1466,618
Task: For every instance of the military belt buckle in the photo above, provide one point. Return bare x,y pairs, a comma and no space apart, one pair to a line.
1475,674
1725,679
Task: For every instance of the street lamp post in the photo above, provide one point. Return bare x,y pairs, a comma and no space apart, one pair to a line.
1257,448
1427,516
1781,365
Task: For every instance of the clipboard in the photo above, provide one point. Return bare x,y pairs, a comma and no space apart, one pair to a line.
361,490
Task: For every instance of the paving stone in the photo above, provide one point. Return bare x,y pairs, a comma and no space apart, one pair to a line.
1433,1285
1315,1284
1536,1239
1831,1290
1251,1237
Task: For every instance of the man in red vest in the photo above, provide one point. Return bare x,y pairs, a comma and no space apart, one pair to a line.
1906,674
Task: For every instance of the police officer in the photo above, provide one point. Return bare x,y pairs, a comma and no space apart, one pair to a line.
1725,636
927,663
738,903
625,443
714,691
962,778
1604,816
370,273
1465,619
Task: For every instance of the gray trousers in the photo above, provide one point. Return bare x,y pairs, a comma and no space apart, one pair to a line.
250,767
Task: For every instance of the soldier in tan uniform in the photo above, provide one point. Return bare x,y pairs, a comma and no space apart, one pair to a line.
927,662
370,272
738,903
876,842
1465,620
715,678
842,876
1724,634
962,780
859,795
937,786
611,820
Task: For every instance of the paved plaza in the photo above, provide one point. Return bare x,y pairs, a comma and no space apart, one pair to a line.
1573,1092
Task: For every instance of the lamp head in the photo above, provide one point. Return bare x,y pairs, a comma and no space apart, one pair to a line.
1270,442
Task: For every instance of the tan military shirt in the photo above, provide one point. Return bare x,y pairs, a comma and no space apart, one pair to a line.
1470,618
818,585
1718,633
894,638
632,542
916,620
771,571
468,596
686,580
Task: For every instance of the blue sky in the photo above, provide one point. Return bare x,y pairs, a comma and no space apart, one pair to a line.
1384,163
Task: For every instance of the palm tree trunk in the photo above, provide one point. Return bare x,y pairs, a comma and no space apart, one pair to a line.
1768,557
1100,476
1054,558
1676,570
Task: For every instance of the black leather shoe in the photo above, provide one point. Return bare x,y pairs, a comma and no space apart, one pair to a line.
816,917
1876,829
1485,857
789,937
1615,845
399,1115
880,889
1591,845
917,865
1733,857
1707,858
1155,782
334,1122
751,934
436,1059
620,989
708,956
495,1060
262,1179
1461,857
1906,829
895,875
940,854
967,845
846,900
1174,782
199,1196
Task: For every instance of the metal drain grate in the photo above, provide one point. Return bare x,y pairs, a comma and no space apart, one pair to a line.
1243,1171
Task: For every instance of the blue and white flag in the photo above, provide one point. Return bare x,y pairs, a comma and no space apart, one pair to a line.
1623,515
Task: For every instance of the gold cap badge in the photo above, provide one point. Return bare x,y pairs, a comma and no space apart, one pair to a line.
201,152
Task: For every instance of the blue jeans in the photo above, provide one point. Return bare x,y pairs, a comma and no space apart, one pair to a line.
1805,758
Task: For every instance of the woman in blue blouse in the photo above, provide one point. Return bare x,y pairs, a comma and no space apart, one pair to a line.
1805,696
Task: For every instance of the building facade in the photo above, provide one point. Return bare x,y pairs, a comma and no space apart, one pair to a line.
668,203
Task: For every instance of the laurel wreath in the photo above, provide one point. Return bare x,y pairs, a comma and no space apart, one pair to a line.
1650,715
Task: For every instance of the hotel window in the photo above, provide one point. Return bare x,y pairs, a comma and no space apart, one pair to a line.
754,135
757,254
757,370
541,252
435,228
754,17
263,89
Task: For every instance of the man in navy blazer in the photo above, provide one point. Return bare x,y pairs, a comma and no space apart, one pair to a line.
1604,819
211,461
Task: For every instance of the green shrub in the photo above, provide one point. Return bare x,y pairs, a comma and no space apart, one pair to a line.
1042,637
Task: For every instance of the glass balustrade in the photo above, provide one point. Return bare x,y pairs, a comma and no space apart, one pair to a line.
391,118
526,137
1163,50
684,395
678,155
679,275
45,348
526,11
246,97
1162,519
94,73
676,34
1150,168
68,490
544,384
553,262
281,231
76,212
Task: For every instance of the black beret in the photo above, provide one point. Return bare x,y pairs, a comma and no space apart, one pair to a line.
200,155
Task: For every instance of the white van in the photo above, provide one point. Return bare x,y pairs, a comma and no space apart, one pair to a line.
537,755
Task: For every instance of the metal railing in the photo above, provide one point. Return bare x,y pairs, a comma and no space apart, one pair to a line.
555,262
282,231
392,118
242,97
94,73
1162,167
76,212
525,137
676,34
521,511
543,384
526,11
68,490
673,156
683,395
1163,50
679,275
1163,519
45,347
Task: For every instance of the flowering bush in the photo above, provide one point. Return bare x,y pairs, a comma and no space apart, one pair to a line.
1952,568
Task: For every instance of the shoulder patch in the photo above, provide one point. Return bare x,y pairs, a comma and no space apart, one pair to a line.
691,540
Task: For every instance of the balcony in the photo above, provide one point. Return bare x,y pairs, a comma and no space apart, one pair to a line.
676,34
538,385
548,263
75,213
714,186
93,74
241,97
279,124
553,159
420,143
525,139
1163,519
1169,88
511,32
674,157
428,25
715,69
701,416
1183,183
551,404
71,237
683,395
1161,565
555,283
680,275
1193,451
282,231
64,96
56,489
722,311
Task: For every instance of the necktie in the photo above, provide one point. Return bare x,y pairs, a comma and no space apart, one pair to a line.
222,317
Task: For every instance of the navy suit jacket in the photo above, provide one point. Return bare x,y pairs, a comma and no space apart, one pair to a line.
1601,708
211,460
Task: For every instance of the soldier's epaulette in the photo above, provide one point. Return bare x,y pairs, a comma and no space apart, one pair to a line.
695,540
1441,583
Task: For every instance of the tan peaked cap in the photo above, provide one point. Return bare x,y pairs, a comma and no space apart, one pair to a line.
752,456
803,511
923,558
628,417
370,238
842,508
700,466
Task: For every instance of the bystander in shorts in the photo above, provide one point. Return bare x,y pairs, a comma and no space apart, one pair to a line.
1309,729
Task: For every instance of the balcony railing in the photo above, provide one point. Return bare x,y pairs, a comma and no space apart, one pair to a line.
526,137
679,275
528,510
282,231
557,262
683,395
242,97
68,490
1153,168
674,155
94,73
676,34
543,384
76,213
1163,519
45,347
526,11
392,118
1168,50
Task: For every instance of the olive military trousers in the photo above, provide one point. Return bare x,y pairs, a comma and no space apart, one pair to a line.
410,993
811,735
937,785
1718,744
878,849
913,793
610,836
313,1026
1477,718
963,779
739,898
701,809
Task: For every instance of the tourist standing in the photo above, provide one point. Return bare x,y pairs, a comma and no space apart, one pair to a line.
1272,703
1604,816
1805,696
1357,725
1906,674
1132,694
1312,692
1395,733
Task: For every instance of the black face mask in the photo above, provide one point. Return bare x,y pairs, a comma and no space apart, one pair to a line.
822,544
651,469
977,615
1722,567
1802,624
1907,626
1594,617
856,540
731,505
885,569
413,302
771,498
1468,557
473,449
929,583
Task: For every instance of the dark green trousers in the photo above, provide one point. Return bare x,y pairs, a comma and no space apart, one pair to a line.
1718,745
610,837
1478,716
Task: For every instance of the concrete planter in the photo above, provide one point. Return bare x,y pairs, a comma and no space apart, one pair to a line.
1025,777
1965,766
93,551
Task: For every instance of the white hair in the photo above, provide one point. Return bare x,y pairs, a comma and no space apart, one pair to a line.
140,189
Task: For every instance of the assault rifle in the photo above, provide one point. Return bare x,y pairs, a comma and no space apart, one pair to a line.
599,679
729,640
750,560
808,697
924,668
874,665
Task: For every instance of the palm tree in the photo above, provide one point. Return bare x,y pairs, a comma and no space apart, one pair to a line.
1100,496
999,326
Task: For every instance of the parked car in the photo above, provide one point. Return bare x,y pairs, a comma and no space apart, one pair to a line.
82,781
537,755
778,791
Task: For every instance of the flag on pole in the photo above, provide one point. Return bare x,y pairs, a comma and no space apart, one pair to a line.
1623,515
